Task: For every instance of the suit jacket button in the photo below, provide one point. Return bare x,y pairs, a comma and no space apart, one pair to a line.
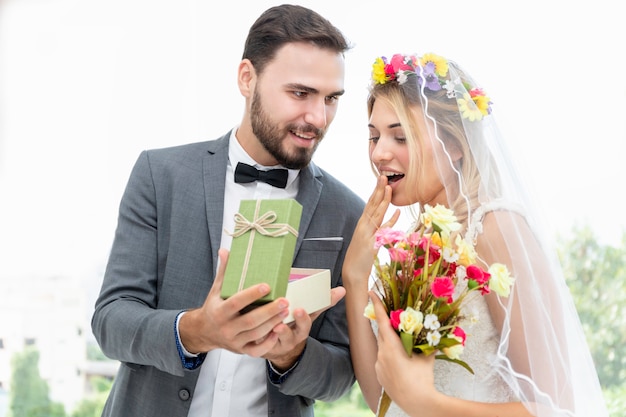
183,394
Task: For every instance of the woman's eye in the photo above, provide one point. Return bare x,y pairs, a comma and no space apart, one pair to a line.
374,139
401,140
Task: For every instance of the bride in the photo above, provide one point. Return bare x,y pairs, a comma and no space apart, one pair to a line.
433,140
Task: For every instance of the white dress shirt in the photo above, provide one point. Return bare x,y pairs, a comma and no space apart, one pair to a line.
231,384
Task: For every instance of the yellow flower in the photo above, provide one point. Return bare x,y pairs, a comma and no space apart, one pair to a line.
441,217
411,321
437,239
465,250
441,64
501,280
482,103
378,71
468,108
369,311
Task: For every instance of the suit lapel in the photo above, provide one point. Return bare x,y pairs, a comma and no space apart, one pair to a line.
310,190
214,174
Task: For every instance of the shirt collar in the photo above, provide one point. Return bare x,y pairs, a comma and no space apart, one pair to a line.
237,154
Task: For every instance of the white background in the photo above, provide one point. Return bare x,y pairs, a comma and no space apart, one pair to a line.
86,85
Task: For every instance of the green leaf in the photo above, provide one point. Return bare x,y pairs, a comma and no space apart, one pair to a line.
407,342
457,361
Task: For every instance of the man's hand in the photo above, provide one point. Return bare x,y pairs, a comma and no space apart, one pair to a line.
219,323
292,337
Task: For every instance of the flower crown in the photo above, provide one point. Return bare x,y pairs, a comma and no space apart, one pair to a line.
432,71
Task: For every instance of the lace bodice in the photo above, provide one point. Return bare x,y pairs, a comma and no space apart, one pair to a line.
485,385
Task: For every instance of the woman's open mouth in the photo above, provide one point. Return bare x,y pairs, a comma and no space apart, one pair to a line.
391,178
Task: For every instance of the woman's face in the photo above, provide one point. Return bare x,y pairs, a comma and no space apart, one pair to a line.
390,155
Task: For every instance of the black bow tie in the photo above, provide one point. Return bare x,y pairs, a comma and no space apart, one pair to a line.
274,177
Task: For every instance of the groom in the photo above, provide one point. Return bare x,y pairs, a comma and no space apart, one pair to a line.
184,350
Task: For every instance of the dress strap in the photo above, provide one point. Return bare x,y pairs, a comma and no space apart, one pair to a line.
475,226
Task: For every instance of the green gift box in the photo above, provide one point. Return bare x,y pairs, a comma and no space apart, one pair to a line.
264,241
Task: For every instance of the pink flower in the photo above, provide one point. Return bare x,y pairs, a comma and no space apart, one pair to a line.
414,239
443,287
398,63
394,317
388,237
398,254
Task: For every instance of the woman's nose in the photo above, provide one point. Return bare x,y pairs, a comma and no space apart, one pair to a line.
381,152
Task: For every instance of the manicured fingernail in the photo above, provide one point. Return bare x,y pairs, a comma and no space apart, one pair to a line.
264,289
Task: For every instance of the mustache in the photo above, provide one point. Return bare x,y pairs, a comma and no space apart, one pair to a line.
307,128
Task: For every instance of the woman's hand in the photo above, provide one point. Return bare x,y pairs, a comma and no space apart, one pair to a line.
361,253
409,381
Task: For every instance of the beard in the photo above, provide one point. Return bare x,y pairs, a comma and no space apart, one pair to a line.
271,136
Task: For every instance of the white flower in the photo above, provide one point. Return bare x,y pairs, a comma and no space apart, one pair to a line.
454,352
411,321
441,217
461,272
369,311
501,280
474,316
449,255
449,87
402,76
433,338
431,322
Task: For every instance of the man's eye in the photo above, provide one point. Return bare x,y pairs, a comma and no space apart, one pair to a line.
332,99
300,94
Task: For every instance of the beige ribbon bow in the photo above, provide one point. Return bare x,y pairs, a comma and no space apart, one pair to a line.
259,224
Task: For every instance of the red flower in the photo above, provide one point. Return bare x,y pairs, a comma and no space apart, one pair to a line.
460,333
394,317
478,274
390,71
443,287
475,92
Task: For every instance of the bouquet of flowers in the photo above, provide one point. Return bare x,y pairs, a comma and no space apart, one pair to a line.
419,287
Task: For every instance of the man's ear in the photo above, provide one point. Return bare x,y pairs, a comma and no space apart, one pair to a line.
246,78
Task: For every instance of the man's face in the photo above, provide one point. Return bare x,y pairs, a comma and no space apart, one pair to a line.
295,100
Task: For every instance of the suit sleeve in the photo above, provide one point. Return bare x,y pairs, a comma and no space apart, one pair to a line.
126,322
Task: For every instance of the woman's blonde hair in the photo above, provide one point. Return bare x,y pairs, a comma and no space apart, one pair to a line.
423,114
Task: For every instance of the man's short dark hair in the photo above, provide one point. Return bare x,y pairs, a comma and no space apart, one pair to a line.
289,23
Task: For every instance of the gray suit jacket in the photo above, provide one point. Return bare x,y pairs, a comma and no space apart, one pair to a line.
163,261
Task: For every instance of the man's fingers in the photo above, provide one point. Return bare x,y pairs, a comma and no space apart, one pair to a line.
222,255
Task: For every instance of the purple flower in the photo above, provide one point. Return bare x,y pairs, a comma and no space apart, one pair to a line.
427,74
